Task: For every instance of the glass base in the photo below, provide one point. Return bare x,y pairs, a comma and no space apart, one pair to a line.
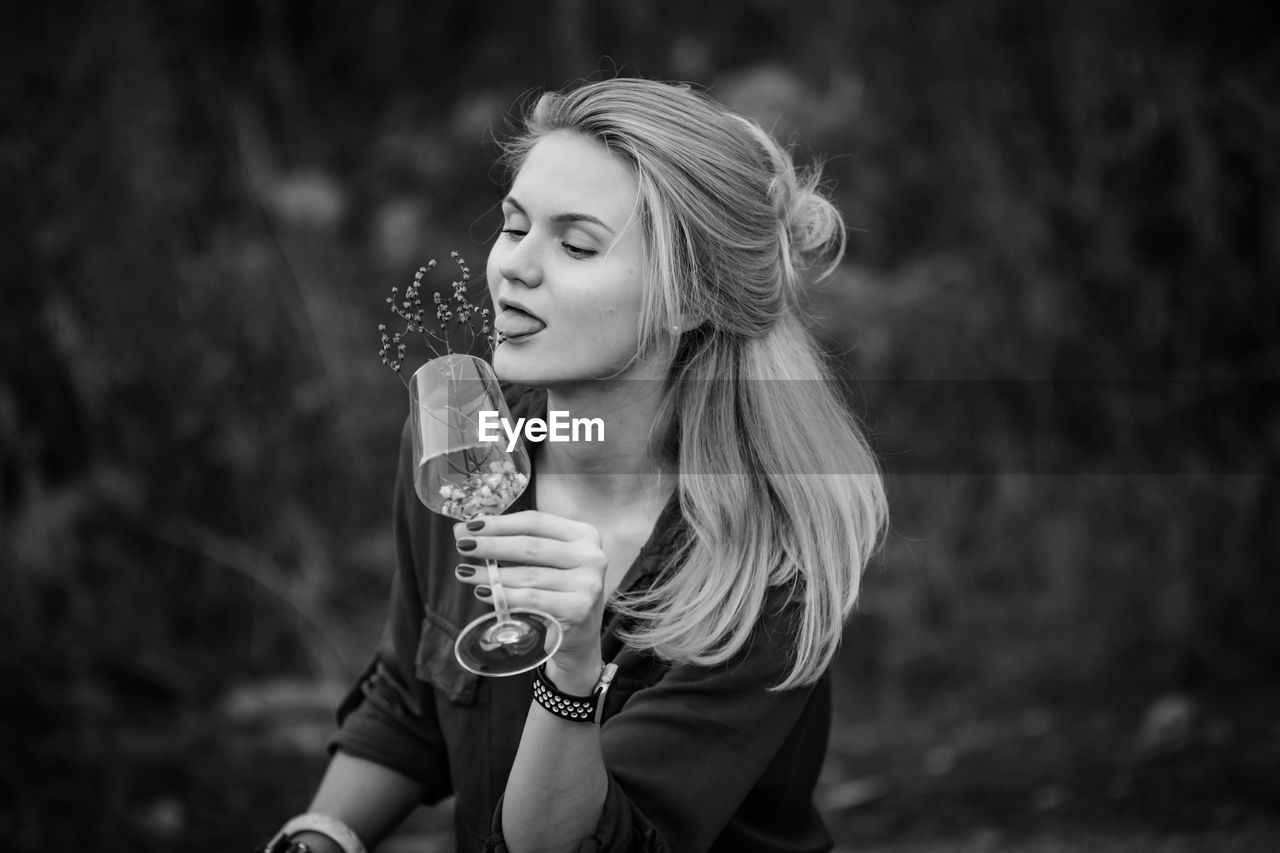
492,648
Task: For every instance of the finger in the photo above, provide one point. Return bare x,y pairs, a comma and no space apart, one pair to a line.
529,522
521,577
571,609
532,551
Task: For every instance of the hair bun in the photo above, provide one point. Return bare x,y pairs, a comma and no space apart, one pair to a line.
815,229
811,228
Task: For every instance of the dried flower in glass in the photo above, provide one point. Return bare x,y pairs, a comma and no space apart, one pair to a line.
458,310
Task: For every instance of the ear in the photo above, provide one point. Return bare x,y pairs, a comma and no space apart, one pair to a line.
686,321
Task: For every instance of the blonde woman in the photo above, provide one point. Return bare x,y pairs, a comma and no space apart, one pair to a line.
649,272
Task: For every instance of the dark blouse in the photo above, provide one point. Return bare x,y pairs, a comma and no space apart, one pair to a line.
699,758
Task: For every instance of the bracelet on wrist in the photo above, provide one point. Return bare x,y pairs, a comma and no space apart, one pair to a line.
566,706
329,827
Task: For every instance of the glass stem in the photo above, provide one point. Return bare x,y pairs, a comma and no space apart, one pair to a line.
499,595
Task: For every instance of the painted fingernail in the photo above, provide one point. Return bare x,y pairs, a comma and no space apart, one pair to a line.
465,571
483,592
476,524
466,544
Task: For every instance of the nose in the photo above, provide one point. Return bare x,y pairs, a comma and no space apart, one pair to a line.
519,263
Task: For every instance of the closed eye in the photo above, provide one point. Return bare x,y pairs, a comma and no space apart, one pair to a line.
578,251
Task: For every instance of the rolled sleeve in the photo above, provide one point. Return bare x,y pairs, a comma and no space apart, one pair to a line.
382,722
617,830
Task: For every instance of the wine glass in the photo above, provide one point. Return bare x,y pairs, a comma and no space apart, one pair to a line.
458,475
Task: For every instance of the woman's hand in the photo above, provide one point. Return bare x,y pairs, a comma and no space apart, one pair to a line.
557,565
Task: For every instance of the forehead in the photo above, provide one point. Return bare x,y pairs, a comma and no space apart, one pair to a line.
569,172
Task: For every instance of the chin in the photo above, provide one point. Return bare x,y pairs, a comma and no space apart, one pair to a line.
505,367
523,367
525,371
518,367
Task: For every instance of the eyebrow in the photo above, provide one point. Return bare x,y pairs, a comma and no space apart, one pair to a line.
561,217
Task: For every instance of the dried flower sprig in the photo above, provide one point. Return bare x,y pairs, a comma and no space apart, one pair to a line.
457,310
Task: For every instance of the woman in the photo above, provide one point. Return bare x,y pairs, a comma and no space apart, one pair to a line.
650,268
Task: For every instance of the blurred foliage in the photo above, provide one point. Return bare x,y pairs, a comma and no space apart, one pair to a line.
207,203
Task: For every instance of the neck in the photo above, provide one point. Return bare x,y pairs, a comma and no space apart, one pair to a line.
620,469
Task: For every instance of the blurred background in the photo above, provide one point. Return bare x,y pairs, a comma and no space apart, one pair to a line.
1058,318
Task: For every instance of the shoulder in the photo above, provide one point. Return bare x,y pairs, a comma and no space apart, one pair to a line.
766,655
775,637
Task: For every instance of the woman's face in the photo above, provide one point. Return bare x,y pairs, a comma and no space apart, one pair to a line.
565,273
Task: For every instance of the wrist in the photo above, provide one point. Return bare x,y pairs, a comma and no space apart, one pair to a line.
317,833
574,676
574,707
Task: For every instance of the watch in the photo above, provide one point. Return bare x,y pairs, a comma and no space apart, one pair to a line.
566,706
339,832
283,844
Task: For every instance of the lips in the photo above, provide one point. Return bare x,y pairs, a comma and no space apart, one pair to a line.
514,323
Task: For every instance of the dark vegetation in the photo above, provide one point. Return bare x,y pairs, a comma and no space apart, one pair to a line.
1059,317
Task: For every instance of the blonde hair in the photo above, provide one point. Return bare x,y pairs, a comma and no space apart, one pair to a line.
733,234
